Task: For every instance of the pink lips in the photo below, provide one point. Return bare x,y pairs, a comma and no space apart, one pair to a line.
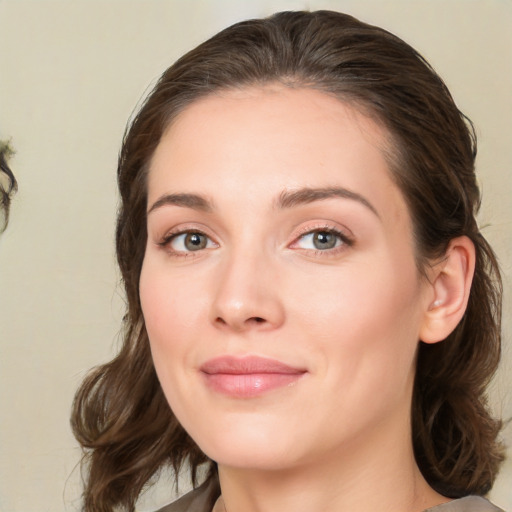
249,376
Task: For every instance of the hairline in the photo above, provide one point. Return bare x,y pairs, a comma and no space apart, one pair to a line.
389,143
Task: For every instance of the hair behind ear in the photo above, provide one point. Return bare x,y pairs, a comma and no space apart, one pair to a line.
455,435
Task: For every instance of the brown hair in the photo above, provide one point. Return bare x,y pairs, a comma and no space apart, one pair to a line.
8,184
120,415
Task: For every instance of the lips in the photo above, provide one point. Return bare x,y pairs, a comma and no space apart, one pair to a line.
248,376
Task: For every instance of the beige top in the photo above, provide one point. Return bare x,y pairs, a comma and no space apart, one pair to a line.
199,500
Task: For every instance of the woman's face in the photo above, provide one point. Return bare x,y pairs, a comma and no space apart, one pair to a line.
279,285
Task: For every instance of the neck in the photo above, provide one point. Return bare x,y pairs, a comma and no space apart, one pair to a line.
371,474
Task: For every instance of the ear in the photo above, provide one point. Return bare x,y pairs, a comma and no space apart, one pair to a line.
450,284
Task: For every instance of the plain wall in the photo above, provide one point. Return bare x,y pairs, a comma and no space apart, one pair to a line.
71,73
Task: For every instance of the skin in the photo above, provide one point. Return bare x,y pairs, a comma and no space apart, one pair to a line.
350,317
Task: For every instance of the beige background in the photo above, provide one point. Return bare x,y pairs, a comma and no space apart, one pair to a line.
70,74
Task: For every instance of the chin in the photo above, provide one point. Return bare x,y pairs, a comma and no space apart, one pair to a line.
253,446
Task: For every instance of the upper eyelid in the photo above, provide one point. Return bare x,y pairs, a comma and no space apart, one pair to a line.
166,241
347,241
344,238
327,230
186,228
172,235
186,233
324,226
317,225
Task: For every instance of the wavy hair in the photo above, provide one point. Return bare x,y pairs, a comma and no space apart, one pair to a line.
8,184
120,415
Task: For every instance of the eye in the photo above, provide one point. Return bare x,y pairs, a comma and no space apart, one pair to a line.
321,240
188,241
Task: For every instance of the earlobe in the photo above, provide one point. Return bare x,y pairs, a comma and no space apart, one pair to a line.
451,283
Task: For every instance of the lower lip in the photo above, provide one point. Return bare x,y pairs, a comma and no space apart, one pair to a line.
247,385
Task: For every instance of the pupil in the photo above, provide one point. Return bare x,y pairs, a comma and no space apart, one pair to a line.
324,240
195,241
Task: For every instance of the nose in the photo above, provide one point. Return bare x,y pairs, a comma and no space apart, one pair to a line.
248,295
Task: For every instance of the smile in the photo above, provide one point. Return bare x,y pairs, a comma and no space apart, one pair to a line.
249,376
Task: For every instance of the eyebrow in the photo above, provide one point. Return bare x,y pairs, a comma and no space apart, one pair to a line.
289,199
193,201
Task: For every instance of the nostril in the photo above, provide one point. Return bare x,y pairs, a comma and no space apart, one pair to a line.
240,323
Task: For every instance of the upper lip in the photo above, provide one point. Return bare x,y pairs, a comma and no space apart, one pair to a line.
247,365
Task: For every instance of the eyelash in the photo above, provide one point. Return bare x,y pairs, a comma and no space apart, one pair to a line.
344,239
166,242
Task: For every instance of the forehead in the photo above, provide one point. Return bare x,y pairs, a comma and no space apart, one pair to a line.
263,106
259,141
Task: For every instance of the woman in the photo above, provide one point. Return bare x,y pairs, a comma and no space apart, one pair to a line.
312,311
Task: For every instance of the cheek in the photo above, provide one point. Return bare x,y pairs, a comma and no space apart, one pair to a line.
170,304
359,296
366,319
170,314
161,307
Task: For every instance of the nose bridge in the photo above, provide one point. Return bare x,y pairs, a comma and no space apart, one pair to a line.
247,295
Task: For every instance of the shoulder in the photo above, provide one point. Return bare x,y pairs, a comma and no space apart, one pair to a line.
467,504
198,500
